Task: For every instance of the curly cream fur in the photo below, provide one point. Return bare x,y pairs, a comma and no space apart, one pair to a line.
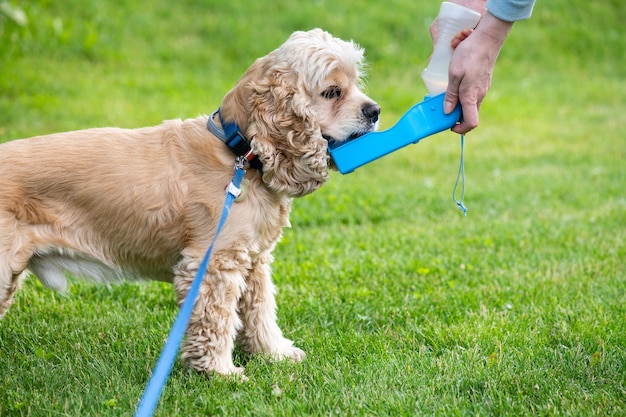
109,204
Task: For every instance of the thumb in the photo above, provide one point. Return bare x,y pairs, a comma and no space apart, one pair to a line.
450,100
452,94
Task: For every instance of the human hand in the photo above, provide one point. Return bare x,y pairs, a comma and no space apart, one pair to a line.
471,68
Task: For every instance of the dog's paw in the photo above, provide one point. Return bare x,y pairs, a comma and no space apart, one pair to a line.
295,354
215,367
287,351
235,373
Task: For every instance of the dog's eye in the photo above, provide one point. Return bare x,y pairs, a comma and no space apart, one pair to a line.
332,93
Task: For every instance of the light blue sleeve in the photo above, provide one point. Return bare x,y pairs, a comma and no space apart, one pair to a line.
511,10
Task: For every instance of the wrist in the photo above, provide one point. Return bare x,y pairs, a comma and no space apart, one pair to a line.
493,28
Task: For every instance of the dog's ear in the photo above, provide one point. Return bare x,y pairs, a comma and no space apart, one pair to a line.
271,105
235,106
285,134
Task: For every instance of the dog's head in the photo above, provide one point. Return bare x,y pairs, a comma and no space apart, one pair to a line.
295,100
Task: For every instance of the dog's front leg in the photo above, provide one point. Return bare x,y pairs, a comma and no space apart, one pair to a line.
213,326
257,309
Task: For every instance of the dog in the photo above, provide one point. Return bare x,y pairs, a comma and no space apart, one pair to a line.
109,204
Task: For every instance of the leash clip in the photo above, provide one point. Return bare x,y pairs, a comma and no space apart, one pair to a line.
240,162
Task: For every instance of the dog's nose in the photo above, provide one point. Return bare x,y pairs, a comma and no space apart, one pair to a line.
371,112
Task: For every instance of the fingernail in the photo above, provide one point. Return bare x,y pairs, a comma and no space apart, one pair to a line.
447,107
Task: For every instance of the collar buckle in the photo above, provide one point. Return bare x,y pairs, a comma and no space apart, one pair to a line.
237,142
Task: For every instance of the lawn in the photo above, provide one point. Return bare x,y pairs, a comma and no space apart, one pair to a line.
404,306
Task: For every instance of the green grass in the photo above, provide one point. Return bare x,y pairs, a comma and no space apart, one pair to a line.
404,306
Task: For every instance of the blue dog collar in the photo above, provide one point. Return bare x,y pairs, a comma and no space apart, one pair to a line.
233,137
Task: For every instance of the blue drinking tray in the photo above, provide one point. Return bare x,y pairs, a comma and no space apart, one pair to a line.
422,120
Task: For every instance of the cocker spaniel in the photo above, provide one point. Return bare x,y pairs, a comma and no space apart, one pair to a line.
109,203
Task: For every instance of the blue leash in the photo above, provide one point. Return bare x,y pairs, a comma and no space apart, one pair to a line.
164,365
